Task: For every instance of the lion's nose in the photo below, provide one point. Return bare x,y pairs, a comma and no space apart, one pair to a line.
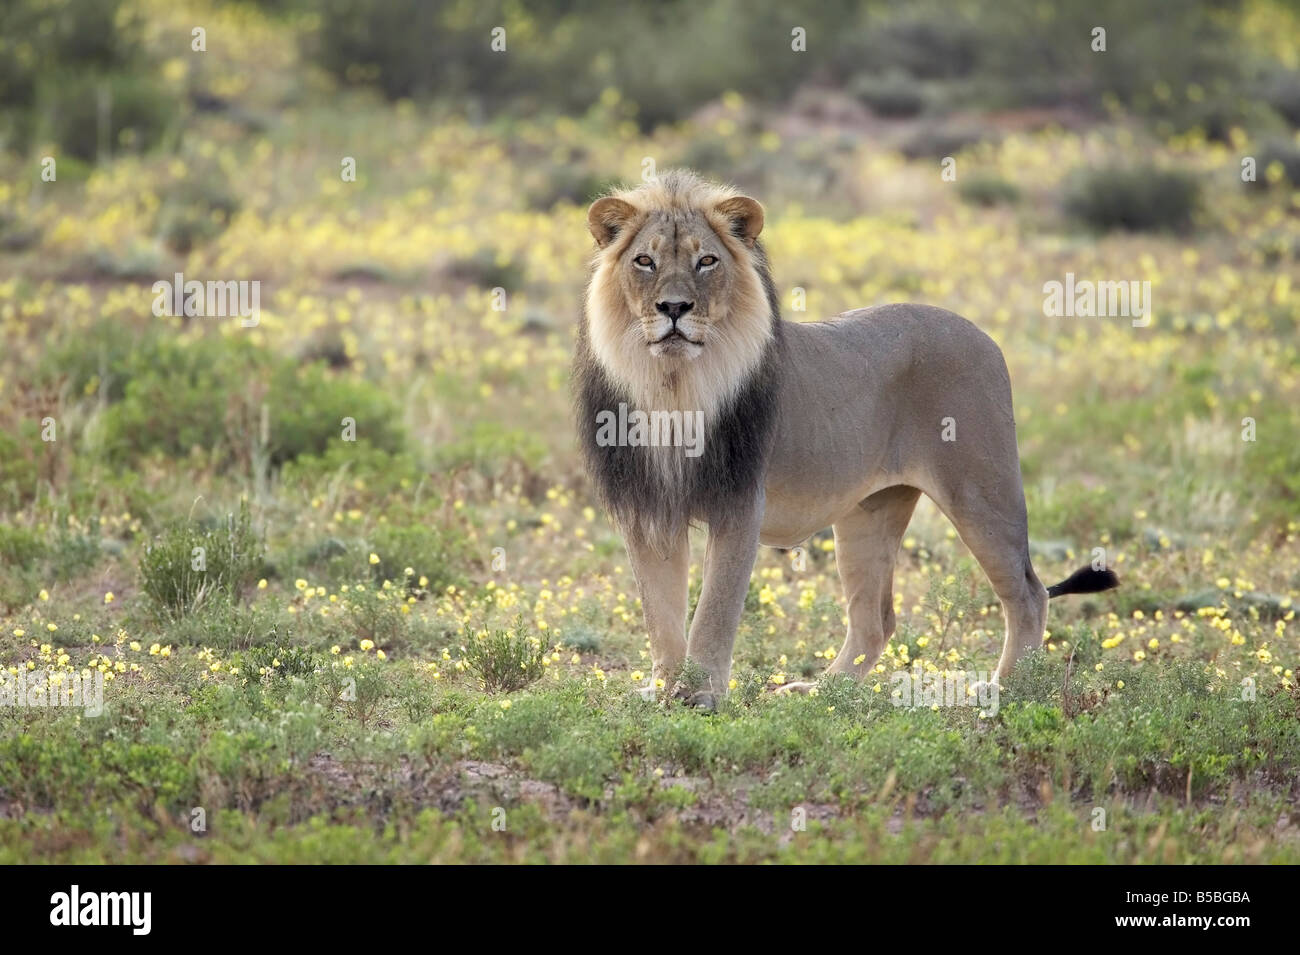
674,310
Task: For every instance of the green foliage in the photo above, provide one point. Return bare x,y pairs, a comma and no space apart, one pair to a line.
891,96
991,52
1284,152
1133,197
75,73
308,405
424,549
208,394
91,116
987,189
505,660
188,568
197,210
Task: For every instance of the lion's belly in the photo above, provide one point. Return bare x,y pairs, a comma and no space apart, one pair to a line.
787,523
792,514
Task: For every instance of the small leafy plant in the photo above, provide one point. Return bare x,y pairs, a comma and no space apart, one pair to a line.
505,660
188,568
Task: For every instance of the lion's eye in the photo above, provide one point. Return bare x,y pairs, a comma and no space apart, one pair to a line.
707,261
644,261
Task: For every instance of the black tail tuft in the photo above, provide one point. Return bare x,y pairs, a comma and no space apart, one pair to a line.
1085,580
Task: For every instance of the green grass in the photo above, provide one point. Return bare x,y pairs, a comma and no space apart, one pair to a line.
1183,769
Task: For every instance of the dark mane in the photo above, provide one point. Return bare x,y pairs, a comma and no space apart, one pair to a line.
734,456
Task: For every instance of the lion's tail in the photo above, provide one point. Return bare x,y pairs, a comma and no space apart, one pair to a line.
1085,580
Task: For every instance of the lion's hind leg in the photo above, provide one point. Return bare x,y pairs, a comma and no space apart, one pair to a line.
995,528
866,549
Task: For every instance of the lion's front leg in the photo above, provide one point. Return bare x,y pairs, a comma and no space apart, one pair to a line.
728,563
663,583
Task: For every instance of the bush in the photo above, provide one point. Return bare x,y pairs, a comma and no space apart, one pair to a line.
938,140
485,270
65,65
187,568
208,394
505,660
20,469
891,96
987,189
1135,198
1283,94
1286,154
422,548
308,405
196,211
19,546
89,115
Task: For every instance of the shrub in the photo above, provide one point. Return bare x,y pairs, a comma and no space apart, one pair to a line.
1286,154
938,140
308,405
1135,198
484,269
20,469
270,661
75,72
422,548
208,394
892,96
987,189
19,546
382,472
187,568
91,116
177,396
505,660
1283,94
196,211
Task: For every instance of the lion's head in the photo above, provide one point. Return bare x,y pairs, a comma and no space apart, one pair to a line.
681,317
678,310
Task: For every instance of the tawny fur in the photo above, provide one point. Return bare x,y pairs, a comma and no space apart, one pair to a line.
842,423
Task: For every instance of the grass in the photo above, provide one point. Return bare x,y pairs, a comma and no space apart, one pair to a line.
403,633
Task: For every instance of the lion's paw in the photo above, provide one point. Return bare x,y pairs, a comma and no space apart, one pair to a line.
697,699
702,700
803,689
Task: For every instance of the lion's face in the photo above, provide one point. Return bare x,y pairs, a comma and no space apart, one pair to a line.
676,277
676,301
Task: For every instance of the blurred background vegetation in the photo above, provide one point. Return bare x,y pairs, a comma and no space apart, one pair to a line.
474,166
1184,64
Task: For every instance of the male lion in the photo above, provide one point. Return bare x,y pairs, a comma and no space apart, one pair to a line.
842,423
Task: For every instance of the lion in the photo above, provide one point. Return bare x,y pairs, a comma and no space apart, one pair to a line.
805,425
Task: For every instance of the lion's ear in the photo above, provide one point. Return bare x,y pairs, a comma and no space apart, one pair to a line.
607,217
745,215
